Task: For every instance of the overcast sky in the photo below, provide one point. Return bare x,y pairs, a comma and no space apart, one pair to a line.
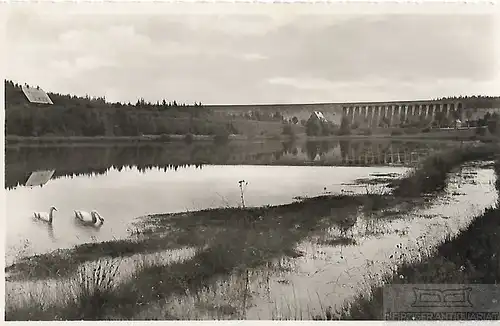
242,59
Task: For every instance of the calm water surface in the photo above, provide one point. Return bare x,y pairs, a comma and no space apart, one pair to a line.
328,275
122,196
127,182
123,187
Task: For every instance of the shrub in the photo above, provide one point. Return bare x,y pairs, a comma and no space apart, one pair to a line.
165,137
396,132
431,176
366,132
221,135
345,128
481,131
427,129
189,138
343,132
411,130
313,127
288,130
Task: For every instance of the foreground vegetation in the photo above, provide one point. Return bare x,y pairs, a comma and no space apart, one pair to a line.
431,175
226,240
472,257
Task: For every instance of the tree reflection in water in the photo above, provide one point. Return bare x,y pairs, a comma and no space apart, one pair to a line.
71,161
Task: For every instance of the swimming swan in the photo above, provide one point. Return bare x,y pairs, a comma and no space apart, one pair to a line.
93,218
44,216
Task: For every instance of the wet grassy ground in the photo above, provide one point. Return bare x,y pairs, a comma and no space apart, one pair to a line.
472,257
226,241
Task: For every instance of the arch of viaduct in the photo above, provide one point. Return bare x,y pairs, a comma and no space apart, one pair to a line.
372,112
396,112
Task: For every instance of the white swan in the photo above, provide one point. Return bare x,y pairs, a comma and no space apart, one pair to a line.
44,216
92,218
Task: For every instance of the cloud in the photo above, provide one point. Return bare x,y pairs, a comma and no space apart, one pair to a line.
303,83
79,65
254,58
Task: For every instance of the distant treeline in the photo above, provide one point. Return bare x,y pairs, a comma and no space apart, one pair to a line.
86,116
476,101
94,116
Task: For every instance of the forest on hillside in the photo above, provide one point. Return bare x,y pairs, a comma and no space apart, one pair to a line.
93,116
476,101
87,116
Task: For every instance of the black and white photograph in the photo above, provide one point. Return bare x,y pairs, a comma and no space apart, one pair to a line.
279,161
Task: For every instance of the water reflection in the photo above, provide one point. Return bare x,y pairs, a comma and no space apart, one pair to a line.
70,161
132,181
87,226
326,274
39,178
122,197
49,227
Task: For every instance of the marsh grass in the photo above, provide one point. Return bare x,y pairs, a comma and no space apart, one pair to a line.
63,263
94,286
83,297
174,231
246,243
245,240
227,240
375,199
339,241
431,175
471,257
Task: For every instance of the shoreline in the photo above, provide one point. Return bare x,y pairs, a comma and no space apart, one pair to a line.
228,240
24,140
470,257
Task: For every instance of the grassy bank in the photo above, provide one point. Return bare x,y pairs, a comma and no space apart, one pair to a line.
227,240
231,240
472,257
194,229
431,175
44,140
10,139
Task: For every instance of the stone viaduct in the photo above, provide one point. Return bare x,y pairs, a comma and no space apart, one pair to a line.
395,113
370,113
